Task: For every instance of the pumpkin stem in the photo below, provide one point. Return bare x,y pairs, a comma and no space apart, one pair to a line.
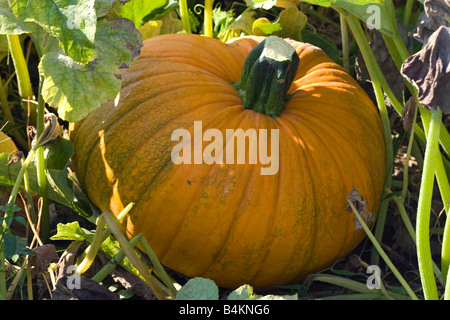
266,76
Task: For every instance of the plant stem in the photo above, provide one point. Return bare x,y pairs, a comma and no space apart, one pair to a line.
184,15
93,248
22,74
382,253
41,176
345,45
407,12
138,264
424,207
208,22
377,79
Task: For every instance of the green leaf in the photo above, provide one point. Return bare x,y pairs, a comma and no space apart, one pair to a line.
118,42
292,22
9,172
72,231
242,24
76,89
244,292
261,4
9,23
59,153
14,246
198,289
72,22
263,27
136,10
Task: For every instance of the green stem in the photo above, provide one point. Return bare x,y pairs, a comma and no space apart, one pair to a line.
184,15
208,22
92,250
377,79
41,165
345,44
407,12
408,155
22,74
383,254
409,227
267,75
424,207
3,291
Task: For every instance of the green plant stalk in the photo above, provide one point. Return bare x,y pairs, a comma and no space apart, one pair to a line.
117,259
424,207
408,156
93,248
407,12
377,79
138,264
352,285
41,167
184,15
2,275
22,74
159,269
208,21
345,45
383,254
409,227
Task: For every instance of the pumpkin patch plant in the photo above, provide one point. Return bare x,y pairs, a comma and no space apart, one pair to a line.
226,221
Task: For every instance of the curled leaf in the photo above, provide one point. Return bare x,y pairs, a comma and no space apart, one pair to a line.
429,71
360,205
436,13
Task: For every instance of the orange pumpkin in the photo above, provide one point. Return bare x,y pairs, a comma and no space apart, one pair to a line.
226,221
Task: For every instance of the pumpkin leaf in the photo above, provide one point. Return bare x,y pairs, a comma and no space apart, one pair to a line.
372,12
136,10
244,292
261,4
76,89
72,231
14,246
436,13
292,22
242,24
73,23
428,70
324,43
198,289
264,26
9,23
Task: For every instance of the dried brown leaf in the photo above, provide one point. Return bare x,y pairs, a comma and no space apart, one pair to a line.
429,71
361,206
43,256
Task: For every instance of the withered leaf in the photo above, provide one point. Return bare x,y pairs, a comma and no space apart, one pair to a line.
86,289
43,256
408,113
429,71
434,15
361,206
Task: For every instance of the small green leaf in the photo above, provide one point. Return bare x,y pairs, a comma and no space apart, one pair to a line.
263,27
72,231
14,246
242,24
261,4
198,289
72,22
59,153
136,10
244,292
292,22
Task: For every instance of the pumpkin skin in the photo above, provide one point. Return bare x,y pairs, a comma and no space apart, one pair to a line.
228,222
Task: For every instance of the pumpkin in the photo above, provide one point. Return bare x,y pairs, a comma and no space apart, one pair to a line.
222,220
